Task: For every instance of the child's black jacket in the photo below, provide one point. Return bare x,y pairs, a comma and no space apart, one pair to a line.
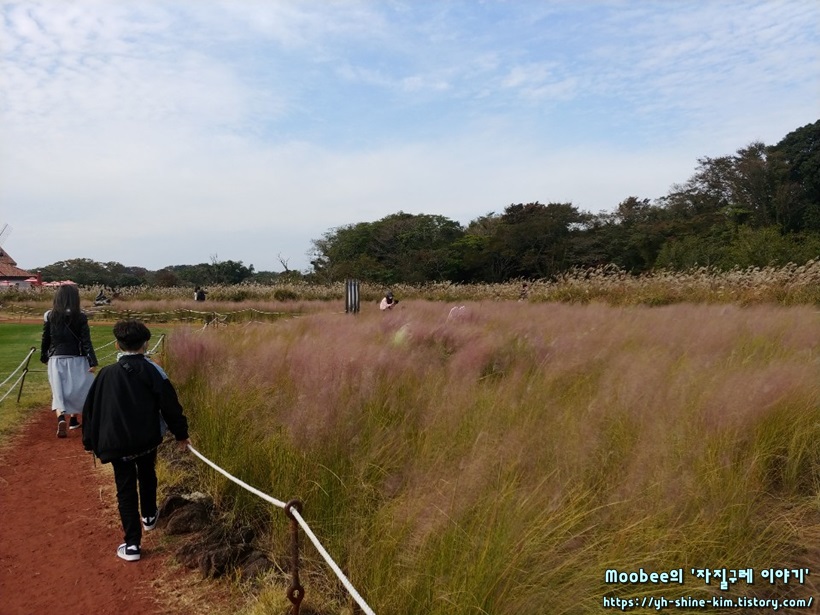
121,415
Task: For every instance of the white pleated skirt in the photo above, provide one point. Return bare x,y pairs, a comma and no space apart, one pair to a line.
70,381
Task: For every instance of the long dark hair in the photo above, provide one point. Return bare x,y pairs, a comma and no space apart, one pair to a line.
66,306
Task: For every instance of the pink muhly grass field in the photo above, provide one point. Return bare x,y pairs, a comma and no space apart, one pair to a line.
501,458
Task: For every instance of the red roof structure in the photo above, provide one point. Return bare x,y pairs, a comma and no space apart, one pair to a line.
10,272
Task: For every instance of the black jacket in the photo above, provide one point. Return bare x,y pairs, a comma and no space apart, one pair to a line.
121,415
68,340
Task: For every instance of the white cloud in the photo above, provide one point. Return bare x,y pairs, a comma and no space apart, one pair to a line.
163,132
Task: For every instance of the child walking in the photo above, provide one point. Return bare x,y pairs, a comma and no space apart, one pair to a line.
124,418
67,350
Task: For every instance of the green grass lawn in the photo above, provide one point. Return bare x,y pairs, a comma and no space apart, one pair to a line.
16,341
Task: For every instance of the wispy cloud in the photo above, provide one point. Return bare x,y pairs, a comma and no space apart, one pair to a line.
249,128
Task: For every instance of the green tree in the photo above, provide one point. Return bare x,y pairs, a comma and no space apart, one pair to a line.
165,278
768,246
731,211
689,251
798,153
471,255
228,272
535,240
215,272
401,247
759,186
87,272
633,235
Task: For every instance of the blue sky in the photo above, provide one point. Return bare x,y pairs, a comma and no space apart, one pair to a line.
171,132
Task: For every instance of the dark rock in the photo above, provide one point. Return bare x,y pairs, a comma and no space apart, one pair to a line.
215,548
190,518
246,534
216,561
188,554
171,504
254,565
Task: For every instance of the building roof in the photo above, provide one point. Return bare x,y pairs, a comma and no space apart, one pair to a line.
9,269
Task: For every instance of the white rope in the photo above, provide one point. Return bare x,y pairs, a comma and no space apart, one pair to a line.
22,363
12,387
108,356
159,341
348,585
359,600
116,352
253,490
182,314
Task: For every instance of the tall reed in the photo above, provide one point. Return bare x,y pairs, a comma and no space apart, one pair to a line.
791,284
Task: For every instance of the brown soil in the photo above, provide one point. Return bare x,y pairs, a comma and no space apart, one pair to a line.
59,531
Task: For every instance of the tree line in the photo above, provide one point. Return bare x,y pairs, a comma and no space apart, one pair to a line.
114,275
757,207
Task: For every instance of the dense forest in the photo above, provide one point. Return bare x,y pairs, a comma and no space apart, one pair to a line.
757,207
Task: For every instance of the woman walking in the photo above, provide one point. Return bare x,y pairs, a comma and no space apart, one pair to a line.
66,348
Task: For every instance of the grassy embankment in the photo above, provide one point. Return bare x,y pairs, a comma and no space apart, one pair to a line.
500,462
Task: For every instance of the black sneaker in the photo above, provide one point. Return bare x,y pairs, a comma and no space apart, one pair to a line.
149,523
130,553
61,431
73,423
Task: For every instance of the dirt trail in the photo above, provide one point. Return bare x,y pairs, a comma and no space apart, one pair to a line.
59,530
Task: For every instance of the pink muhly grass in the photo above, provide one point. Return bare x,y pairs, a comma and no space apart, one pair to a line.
646,432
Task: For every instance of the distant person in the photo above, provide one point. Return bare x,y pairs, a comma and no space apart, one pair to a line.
67,350
199,294
124,418
388,302
525,292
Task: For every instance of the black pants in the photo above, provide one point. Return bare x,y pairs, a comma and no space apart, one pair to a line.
129,476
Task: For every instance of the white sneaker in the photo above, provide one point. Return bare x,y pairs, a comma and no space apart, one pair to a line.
149,523
130,553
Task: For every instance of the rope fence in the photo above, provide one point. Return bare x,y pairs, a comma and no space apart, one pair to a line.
23,366
105,357
148,353
182,315
293,508
207,318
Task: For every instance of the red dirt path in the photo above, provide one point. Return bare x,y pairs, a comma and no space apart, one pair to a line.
59,531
